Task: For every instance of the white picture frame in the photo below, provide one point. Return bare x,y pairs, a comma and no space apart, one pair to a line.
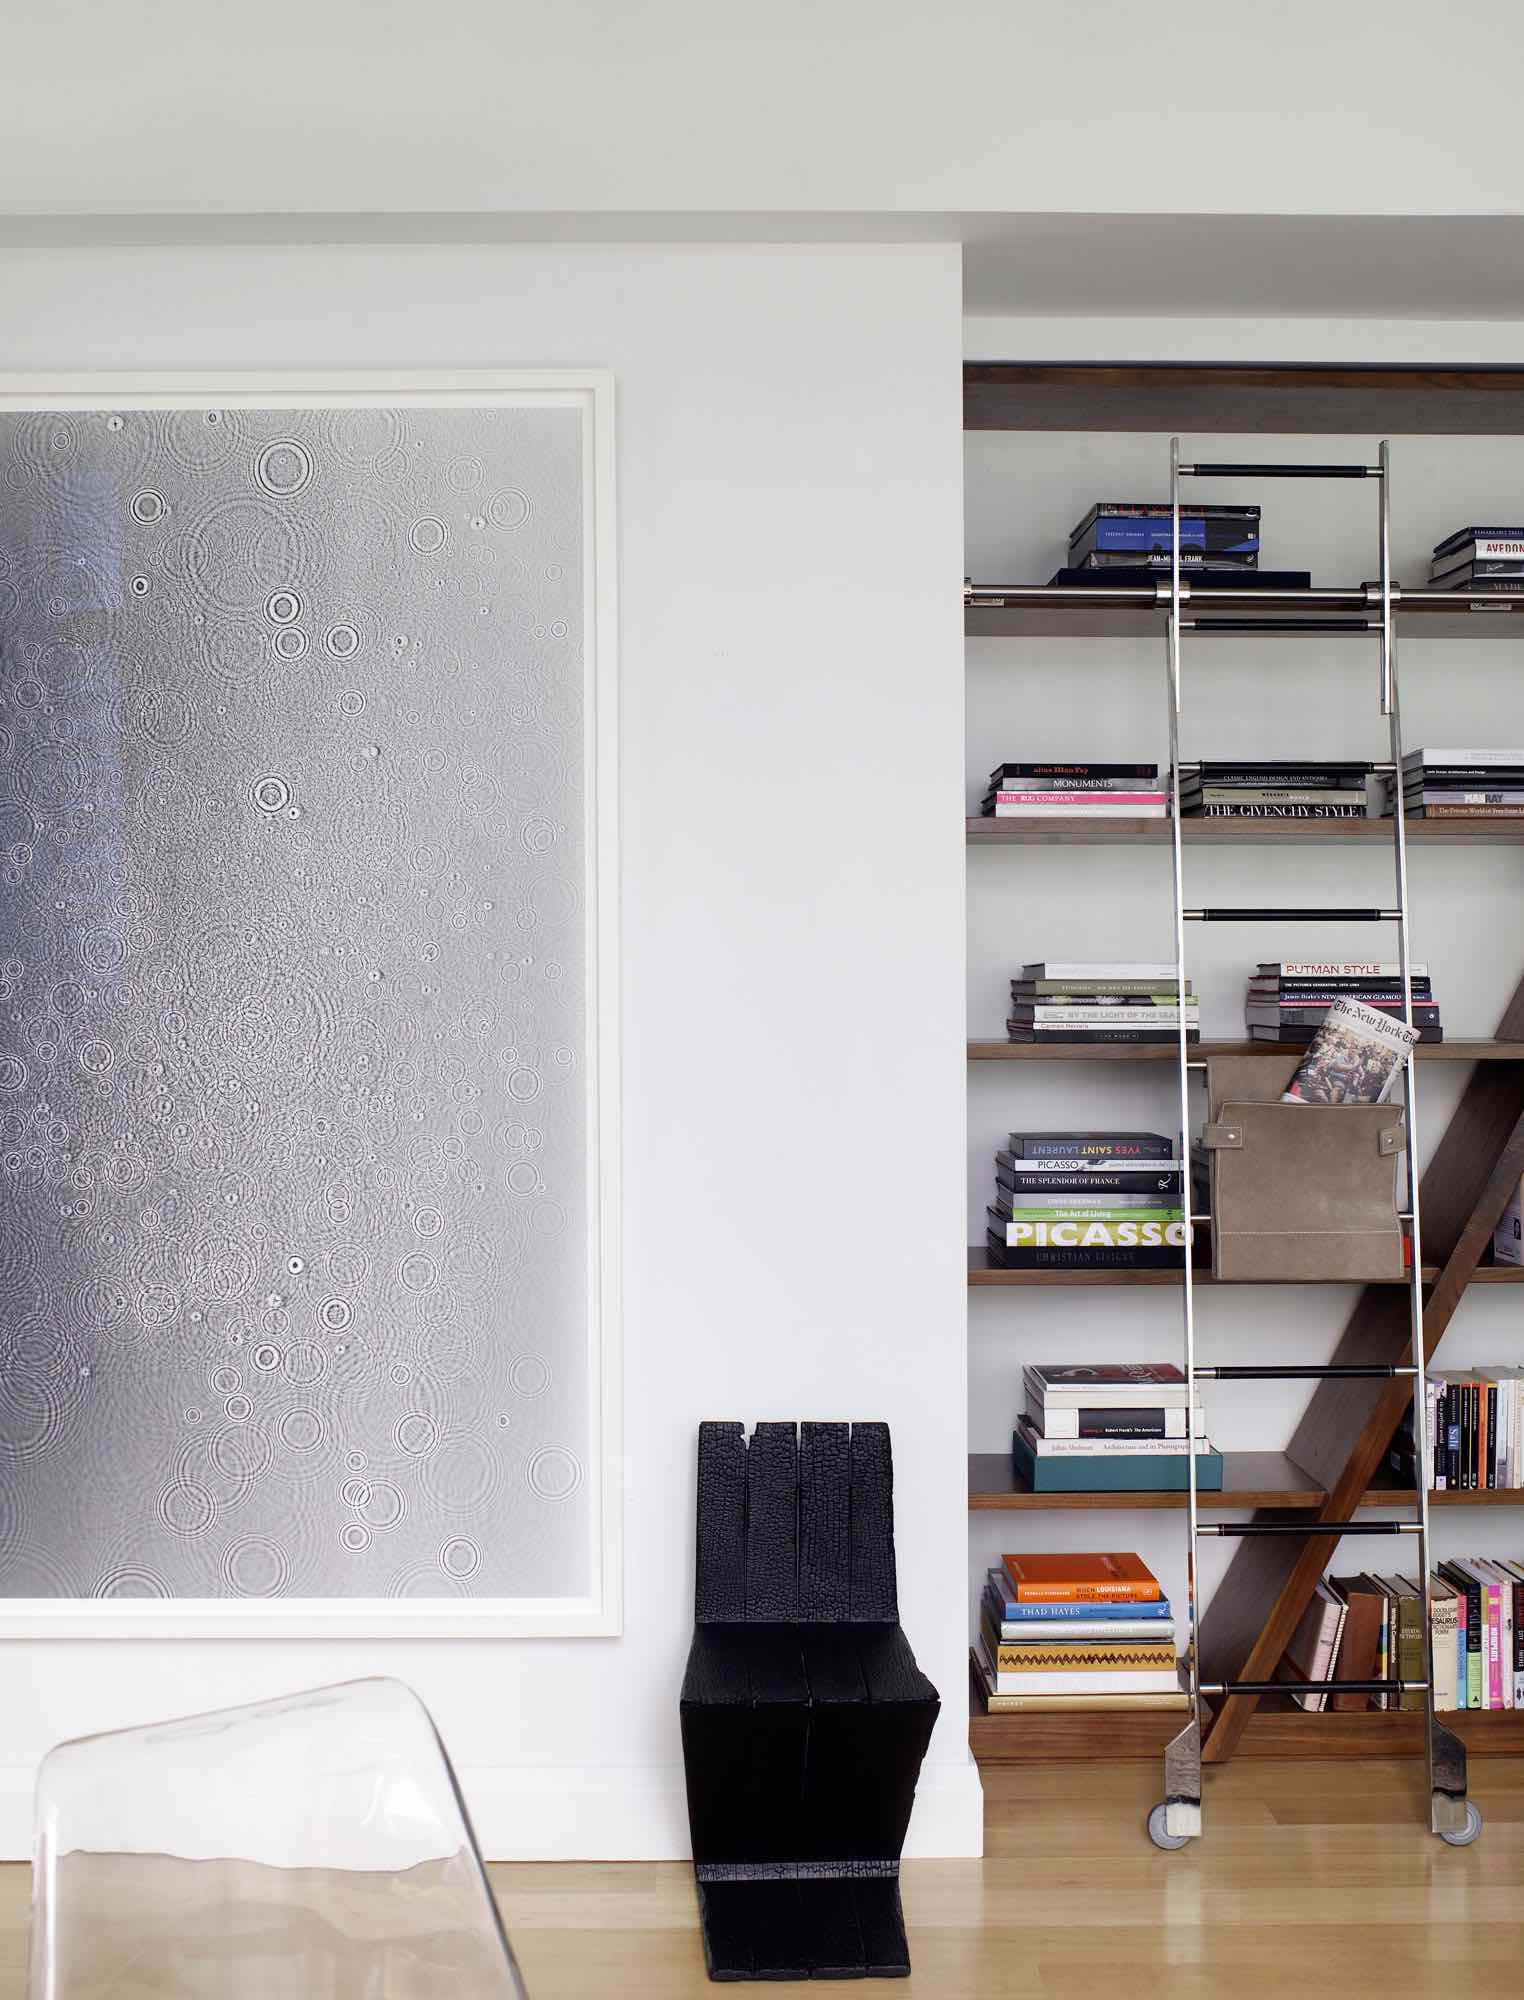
599,1613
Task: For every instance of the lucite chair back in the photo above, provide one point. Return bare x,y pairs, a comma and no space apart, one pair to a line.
310,1848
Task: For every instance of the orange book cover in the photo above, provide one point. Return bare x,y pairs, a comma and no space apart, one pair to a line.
1082,1579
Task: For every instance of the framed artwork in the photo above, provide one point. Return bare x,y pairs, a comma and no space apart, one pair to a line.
309,1064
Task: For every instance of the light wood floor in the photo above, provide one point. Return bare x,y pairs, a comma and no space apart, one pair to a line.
1312,1879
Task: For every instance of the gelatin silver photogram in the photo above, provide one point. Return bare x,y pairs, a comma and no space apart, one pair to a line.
293,1004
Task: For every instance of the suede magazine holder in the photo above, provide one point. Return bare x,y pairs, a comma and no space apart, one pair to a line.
1301,1193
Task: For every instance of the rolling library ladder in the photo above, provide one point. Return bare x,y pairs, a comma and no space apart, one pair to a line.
1178,1818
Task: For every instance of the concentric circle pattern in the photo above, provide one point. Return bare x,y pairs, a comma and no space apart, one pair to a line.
293,1259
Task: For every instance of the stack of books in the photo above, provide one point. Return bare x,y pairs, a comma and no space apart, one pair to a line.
1117,1427
1276,788
1086,791
1475,1432
1075,1201
1460,784
1127,541
1478,560
1082,1001
1289,999
1076,1632
1366,1627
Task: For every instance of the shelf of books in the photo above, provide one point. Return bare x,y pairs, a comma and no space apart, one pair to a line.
1278,1728
1058,829
1076,1656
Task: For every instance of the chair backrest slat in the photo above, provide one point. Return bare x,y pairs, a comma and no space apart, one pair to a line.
720,1575
772,1524
825,1523
873,1595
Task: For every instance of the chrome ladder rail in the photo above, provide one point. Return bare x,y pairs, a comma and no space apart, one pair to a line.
1178,1818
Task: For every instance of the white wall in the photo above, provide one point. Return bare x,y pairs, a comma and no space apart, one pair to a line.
1104,698
789,497
501,105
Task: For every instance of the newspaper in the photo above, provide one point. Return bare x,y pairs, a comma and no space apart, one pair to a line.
1354,1058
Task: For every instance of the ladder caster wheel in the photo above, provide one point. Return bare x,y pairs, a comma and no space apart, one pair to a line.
1464,1838
1171,1842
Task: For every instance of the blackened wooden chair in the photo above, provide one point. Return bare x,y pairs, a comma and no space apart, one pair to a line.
805,1717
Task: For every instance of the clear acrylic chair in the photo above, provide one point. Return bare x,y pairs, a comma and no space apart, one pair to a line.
312,1848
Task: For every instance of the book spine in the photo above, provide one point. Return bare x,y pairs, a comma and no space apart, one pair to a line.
1081,1151
1013,1611
1443,1652
1079,1014
1280,795
1310,777
1306,968
1091,1184
1098,1036
1275,812
1061,801
1116,1590
1080,1260
1081,1211
1131,1421
1123,1235
1452,1436
1074,777
1464,812
1108,1447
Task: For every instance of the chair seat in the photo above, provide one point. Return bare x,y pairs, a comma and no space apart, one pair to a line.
803,1665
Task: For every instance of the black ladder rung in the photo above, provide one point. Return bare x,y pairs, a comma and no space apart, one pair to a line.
1333,1371
1314,1687
1305,1528
1227,916
1359,626
1201,471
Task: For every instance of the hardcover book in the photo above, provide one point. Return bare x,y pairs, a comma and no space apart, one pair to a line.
1072,1384
1090,1145
1101,1474
1047,1577
1157,1446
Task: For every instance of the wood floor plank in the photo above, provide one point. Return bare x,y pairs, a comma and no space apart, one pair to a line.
1072,1900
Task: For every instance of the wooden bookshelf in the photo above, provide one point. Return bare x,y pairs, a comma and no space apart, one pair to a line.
1250,1479
1467,1052
1061,611
1306,399
1277,1729
1061,829
1335,1462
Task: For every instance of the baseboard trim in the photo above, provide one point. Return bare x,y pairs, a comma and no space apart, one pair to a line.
600,1812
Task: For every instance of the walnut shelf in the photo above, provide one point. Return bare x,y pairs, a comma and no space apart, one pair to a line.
1167,1052
983,1271
1061,829
1061,611
1250,1479
1277,1729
